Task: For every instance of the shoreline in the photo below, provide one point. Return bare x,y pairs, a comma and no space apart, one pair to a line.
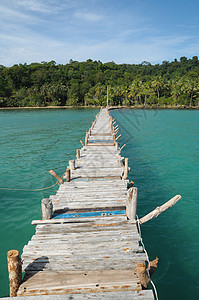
110,107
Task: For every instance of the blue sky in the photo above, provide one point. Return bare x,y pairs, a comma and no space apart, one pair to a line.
126,31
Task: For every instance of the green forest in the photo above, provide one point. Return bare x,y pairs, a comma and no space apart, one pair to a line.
76,83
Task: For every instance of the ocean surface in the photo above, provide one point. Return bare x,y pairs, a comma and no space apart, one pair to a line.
163,151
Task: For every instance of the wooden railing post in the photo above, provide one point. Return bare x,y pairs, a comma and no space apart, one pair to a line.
131,203
120,162
82,143
72,164
114,141
78,153
46,209
68,175
118,137
86,139
126,168
15,271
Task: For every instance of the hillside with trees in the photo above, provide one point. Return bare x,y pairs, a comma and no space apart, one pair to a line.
76,83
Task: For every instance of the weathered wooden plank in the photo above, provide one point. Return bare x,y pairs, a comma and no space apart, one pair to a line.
126,295
77,281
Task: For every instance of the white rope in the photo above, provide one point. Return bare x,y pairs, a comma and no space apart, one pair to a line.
140,234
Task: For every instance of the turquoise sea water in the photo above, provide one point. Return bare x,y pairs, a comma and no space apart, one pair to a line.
163,151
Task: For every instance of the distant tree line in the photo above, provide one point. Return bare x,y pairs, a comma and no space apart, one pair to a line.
173,83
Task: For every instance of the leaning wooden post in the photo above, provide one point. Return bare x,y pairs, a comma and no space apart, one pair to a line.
46,209
156,212
72,164
122,147
68,175
126,168
56,176
15,271
78,153
82,143
131,203
118,137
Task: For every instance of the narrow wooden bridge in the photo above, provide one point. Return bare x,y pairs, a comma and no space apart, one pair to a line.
87,245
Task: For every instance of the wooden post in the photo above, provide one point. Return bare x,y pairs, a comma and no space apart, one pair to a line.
56,176
82,143
126,168
78,153
68,175
86,139
144,274
120,162
72,164
15,271
46,209
131,203
114,141
122,147
118,137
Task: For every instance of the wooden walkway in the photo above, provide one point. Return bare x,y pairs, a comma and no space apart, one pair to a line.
88,249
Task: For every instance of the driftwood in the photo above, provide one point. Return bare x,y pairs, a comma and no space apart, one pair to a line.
142,272
56,176
156,212
15,271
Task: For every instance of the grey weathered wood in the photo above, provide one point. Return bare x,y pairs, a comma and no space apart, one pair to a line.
46,208
126,168
118,295
78,153
72,164
131,203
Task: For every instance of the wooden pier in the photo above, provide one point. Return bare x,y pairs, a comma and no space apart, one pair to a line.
89,247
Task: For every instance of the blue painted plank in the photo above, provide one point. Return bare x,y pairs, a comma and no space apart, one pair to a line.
89,214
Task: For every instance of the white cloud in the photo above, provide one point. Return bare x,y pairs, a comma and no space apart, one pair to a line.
87,16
